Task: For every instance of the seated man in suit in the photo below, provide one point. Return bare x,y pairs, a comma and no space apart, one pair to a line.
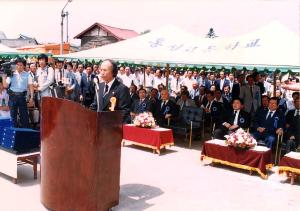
201,99
293,127
185,101
133,95
226,94
235,120
141,105
223,101
166,109
111,91
213,110
269,124
264,106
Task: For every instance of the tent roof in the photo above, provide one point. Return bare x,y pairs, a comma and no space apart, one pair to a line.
4,48
271,46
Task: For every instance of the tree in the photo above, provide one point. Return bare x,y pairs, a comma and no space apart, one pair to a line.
211,33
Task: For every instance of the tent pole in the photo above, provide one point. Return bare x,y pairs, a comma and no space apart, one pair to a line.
144,84
167,76
274,83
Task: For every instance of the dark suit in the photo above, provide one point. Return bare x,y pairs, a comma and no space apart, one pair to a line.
201,100
87,89
271,124
216,113
138,107
228,97
134,97
120,92
218,84
236,88
161,110
293,130
243,121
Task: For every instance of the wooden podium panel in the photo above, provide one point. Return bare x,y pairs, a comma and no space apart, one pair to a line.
80,156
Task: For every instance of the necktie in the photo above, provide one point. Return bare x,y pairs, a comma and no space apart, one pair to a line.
269,116
251,91
106,89
208,105
60,75
177,83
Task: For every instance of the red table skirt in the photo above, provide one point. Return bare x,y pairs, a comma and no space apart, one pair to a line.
288,164
151,138
251,160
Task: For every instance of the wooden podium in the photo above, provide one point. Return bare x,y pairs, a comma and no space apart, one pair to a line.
80,157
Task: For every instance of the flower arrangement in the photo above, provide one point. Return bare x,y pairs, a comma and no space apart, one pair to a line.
145,120
240,139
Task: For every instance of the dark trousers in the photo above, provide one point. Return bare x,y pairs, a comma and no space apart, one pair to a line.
269,139
220,132
17,104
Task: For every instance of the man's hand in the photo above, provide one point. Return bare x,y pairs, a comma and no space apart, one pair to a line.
232,127
168,116
279,131
81,98
207,110
132,114
292,138
227,125
31,102
261,129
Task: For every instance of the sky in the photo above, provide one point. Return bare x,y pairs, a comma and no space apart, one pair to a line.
41,18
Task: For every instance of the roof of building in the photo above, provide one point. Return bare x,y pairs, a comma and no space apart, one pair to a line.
118,33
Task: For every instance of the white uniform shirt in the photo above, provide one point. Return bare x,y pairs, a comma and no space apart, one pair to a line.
4,99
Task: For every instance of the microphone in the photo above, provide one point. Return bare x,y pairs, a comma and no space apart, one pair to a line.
96,82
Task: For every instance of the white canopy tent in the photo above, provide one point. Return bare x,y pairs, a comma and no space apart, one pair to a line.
6,49
272,46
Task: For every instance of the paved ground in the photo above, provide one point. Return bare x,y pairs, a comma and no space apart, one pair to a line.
176,180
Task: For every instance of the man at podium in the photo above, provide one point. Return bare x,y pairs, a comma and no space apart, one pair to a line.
111,94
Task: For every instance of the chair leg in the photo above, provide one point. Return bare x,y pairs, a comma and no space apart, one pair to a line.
279,153
191,135
277,146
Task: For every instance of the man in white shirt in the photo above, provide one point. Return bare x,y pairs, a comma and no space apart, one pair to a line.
189,80
149,79
45,77
158,79
126,78
175,85
4,109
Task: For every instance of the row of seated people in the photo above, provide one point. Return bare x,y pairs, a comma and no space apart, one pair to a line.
268,122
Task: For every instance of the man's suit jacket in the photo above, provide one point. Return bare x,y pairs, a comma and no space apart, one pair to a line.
216,112
138,107
161,111
294,124
236,89
218,84
228,97
245,94
121,93
134,97
243,119
271,124
87,88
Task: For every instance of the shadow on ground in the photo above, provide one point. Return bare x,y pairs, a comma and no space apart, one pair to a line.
135,197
